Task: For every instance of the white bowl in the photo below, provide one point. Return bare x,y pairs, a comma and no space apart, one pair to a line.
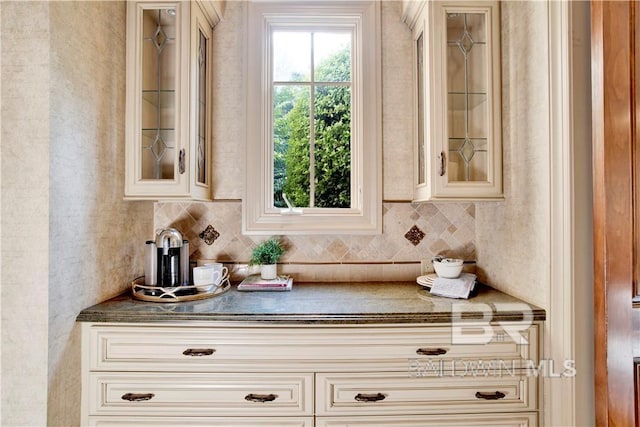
449,268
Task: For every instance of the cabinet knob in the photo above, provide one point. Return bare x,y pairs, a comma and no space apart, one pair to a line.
431,351
251,397
490,396
198,352
137,397
364,397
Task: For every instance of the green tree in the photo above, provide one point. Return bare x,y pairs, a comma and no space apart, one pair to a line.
333,133
296,157
332,146
285,100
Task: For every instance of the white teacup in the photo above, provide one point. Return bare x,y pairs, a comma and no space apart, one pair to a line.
206,275
218,266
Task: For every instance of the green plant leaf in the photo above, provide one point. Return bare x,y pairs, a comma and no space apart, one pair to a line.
267,252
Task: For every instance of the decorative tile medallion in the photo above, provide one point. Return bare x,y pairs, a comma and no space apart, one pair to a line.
414,235
209,235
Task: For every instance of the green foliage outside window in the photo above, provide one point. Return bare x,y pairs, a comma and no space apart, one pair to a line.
332,146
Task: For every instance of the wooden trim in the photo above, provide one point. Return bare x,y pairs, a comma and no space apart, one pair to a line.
611,24
635,38
598,220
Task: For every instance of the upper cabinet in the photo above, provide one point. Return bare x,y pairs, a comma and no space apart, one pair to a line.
457,128
168,120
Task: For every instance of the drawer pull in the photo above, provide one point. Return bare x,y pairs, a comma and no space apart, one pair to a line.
490,396
198,352
137,397
363,397
431,351
261,397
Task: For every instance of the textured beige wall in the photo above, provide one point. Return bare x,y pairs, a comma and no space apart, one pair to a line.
228,108
512,237
25,212
397,104
96,238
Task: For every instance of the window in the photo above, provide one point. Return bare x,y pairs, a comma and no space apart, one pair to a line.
313,140
311,118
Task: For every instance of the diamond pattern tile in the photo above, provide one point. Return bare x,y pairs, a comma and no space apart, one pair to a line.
411,232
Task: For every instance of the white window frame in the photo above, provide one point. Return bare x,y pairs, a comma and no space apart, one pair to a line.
365,214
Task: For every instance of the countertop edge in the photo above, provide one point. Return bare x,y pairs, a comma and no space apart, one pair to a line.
366,303
97,317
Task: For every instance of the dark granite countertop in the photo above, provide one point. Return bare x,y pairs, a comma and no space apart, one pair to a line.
352,302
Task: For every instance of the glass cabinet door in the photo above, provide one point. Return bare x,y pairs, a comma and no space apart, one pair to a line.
159,144
470,153
467,101
202,106
457,126
168,123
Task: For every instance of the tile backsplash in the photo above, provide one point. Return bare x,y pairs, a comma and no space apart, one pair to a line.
411,232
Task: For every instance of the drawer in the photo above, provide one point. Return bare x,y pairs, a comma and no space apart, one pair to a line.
205,394
199,422
193,348
527,419
391,393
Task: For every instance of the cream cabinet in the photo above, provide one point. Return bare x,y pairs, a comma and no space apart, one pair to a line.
243,374
168,99
200,422
466,420
390,393
457,107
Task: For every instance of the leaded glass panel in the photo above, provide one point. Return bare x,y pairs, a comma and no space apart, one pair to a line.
467,101
158,97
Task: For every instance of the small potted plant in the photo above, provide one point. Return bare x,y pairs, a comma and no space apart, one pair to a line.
266,255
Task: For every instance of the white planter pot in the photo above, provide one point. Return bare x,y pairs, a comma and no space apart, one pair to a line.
269,271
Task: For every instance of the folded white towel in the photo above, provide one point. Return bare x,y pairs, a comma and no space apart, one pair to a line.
454,288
